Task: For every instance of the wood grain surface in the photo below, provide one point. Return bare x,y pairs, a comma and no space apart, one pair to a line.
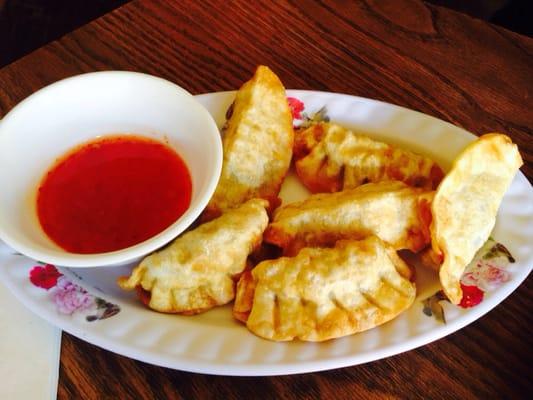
405,52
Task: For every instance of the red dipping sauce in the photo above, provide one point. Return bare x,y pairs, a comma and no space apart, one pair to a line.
113,193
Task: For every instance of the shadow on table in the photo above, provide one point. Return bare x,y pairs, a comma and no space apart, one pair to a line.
26,25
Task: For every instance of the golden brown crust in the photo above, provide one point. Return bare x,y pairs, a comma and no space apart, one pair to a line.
323,294
396,213
329,158
257,144
244,297
466,203
197,271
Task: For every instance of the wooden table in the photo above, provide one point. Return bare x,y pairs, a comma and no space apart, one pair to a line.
430,59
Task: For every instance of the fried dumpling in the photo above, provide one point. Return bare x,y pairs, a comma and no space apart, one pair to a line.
196,272
396,213
466,203
326,293
330,158
257,144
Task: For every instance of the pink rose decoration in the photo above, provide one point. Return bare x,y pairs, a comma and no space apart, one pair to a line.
470,279
485,275
491,276
70,297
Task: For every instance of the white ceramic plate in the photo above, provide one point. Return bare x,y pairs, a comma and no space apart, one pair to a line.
213,342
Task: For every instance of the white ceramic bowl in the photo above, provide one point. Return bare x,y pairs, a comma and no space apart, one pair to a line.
72,111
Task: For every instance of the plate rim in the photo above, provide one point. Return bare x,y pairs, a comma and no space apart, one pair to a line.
211,367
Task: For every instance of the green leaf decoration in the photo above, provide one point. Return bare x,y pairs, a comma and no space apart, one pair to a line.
498,250
105,310
110,310
100,303
319,116
433,308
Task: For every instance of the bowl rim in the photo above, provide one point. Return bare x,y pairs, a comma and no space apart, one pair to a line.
142,249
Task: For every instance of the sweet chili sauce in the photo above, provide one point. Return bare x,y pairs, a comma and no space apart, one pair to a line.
113,193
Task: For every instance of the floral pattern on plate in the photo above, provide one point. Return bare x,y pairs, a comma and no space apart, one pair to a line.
301,119
485,273
69,297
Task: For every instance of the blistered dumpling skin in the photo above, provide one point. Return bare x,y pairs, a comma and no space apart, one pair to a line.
330,158
466,203
396,213
257,144
197,271
325,293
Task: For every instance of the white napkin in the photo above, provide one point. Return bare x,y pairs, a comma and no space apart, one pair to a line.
29,352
